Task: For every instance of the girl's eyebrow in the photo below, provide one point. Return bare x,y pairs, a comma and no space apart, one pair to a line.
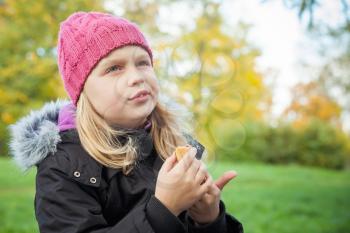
120,60
142,56
110,62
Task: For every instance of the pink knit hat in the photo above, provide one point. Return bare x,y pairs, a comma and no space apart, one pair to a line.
85,38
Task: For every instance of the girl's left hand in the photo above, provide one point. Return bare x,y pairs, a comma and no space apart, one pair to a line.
206,210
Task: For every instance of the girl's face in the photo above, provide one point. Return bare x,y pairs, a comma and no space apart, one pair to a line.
116,79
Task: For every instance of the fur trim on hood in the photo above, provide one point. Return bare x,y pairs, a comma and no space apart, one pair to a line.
36,135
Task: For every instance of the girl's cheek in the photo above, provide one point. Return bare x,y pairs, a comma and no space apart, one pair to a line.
119,89
155,91
155,83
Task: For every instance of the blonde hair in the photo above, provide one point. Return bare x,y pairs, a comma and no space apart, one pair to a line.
100,140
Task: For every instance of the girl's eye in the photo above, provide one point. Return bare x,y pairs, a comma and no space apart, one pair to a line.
113,68
144,63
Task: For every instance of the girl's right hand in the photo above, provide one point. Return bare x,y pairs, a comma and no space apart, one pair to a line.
180,185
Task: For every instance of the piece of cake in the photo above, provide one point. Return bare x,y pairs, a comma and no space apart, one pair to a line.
180,151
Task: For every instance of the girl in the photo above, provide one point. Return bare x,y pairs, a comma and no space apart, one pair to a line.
105,159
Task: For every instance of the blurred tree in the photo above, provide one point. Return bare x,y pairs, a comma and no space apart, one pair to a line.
28,70
334,73
143,13
216,77
317,144
310,102
307,8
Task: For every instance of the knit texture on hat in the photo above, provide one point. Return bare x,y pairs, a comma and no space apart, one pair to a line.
85,38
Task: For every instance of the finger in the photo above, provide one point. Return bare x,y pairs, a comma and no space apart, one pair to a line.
193,210
214,190
225,178
187,160
169,162
198,206
201,174
206,185
193,169
194,207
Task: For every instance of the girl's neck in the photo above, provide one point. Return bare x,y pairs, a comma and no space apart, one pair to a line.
146,125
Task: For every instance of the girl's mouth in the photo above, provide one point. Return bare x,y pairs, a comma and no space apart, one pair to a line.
141,98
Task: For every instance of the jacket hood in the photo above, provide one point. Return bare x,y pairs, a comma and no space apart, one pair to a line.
36,135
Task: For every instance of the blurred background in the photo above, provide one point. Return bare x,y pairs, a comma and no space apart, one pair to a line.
267,84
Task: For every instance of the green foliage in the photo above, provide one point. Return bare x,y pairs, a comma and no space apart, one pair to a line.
318,144
334,73
28,69
214,68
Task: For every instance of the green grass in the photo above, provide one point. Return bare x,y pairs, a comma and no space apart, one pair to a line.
265,198
16,199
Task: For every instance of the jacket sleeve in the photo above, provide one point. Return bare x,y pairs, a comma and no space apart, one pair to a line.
224,223
64,205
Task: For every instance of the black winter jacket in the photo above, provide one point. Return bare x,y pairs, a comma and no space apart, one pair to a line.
76,194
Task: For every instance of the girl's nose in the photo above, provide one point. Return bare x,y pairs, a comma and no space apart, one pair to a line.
135,77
